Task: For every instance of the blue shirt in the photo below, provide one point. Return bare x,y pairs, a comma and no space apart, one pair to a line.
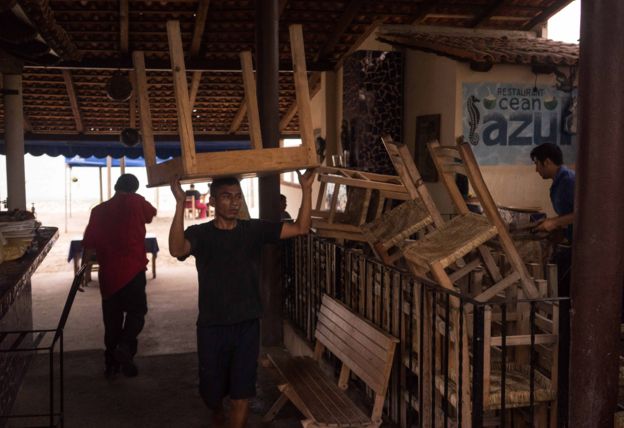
562,194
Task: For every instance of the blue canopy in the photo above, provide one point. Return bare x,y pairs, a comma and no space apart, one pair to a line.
101,149
78,161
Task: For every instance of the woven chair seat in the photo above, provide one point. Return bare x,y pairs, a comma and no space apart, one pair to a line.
517,387
398,224
453,240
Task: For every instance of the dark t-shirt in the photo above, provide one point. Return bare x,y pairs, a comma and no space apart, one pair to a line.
227,264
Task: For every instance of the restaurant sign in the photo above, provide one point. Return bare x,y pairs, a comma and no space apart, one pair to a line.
504,121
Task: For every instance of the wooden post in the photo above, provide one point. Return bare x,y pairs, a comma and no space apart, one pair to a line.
267,75
597,271
180,88
14,137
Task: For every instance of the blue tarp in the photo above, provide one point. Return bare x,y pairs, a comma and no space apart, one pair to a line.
78,161
101,149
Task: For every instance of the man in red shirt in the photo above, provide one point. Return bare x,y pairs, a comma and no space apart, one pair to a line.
115,235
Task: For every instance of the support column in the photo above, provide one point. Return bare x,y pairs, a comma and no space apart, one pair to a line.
598,271
267,78
332,125
14,141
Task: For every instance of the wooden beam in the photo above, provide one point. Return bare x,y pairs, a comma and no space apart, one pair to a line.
546,14
355,46
180,88
73,101
123,26
133,97
486,14
314,88
200,24
251,99
198,32
198,64
238,118
147,133
343,23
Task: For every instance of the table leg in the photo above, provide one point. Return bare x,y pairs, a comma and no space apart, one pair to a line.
76,264
153,265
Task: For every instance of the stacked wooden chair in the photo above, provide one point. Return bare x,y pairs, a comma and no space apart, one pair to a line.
368,195
192,166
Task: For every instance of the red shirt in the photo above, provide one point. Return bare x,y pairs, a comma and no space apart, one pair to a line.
116,231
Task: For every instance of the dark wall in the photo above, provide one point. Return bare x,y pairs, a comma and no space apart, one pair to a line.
372,107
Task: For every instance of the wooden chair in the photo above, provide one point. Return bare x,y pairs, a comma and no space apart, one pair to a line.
517,371
364,350
368,195
257,161
189,208
388,233
457,238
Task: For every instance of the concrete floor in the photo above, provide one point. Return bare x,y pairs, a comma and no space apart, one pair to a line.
165,392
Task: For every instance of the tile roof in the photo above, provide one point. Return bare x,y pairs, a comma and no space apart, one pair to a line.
483,46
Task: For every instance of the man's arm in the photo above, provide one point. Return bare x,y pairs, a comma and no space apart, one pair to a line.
178,245
302,225
553,223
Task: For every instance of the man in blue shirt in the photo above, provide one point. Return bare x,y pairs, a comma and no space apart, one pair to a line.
549,165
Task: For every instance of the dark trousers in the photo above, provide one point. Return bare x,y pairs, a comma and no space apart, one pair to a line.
562,257
124,317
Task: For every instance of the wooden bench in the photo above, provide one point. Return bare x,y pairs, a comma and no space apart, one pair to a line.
363,349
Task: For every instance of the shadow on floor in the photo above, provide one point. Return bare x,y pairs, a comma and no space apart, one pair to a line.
163,395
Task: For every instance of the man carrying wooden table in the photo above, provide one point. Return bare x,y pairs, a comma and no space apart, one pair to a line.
227,255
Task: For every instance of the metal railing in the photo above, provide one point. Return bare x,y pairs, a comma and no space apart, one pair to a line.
459,361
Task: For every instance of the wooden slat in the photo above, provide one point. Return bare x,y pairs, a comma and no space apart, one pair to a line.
253,115
525,339
194,88
149,150
180,87
374,353
365,184
302,91
73,100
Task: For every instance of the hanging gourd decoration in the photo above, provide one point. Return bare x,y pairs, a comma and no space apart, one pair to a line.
130,137
119,87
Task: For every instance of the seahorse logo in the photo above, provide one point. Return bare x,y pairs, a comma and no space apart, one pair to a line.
474,117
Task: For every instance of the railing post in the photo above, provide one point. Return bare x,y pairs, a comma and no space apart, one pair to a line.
477,367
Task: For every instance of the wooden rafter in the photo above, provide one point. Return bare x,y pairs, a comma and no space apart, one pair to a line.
124,26
73,101
343,23
133,99
546,14
423,10
315,87
355,46
198,32
486,14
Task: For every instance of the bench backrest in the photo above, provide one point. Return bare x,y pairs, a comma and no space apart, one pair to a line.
365,349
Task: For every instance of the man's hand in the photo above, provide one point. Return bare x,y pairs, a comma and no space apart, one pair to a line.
176,189
307,179
548,225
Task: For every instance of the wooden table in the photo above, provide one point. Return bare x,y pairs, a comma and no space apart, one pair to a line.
75,252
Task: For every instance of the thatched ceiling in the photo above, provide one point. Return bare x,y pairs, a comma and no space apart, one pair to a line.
95,38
